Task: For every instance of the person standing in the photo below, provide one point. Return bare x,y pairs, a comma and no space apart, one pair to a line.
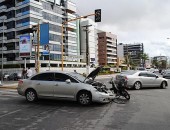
24,73
29,72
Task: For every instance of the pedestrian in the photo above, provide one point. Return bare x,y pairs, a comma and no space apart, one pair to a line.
29,72
24,73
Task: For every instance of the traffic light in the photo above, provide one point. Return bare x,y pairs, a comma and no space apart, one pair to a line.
98,15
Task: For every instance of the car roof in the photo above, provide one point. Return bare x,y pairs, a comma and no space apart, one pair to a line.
64,72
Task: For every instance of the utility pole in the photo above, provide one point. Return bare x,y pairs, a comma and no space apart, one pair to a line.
2,58
87,49
38,48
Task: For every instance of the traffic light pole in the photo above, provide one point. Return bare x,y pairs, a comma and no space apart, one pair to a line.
62,29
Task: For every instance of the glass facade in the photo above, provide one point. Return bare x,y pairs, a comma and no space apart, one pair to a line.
25,14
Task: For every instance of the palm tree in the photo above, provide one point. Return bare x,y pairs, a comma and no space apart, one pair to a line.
144,57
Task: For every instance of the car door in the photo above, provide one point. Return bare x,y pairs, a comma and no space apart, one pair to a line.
63,89
44,84
144,79
153,80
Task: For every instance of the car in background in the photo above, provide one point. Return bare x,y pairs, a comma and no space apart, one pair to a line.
65,85
140,68
166,74
14,77
5,76
156,71
141,79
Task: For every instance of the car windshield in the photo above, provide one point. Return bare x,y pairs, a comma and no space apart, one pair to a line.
77,76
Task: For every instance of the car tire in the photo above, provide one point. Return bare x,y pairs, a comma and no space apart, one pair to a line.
137,85
31,95
163,84
84,98
126,95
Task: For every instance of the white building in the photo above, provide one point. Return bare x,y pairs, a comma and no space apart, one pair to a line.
93,47
20,15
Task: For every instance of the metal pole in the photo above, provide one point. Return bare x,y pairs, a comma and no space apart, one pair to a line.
62,48
62,29
2,62
38,48
49,57
87,49
25,62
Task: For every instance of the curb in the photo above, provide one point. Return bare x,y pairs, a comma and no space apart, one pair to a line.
13,86
7,87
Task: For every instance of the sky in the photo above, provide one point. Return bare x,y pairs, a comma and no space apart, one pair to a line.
134,21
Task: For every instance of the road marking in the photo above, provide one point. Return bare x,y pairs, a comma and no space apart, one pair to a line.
10,113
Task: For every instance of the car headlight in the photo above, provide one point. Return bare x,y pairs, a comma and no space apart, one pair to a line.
100,89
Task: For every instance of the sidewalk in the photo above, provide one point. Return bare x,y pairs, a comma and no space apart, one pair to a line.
9,84
106,76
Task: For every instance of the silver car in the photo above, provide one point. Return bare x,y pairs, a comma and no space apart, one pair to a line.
65,85
141,79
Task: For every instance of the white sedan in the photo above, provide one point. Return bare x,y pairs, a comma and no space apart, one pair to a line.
141,79
65,85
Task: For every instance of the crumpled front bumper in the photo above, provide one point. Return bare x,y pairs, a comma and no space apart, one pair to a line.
102,97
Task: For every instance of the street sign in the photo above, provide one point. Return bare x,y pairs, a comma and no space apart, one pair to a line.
35,33
44,34
25,43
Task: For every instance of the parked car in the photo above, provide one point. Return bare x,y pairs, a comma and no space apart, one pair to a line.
14,76
166,74
5,75
141,79
156,71
65,85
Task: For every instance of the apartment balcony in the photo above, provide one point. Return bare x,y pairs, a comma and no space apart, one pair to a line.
29,12
70,6
4,48
11,51
1,38
70,16
28,1
111,45
3,28
4,59
70,34
71,25
3,8
3,18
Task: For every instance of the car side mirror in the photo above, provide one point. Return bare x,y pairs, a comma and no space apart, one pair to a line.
157,76
68,81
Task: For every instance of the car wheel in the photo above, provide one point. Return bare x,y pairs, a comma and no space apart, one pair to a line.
31,95
84,98
163,84
137,85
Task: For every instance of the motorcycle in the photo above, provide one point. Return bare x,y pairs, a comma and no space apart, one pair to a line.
120,89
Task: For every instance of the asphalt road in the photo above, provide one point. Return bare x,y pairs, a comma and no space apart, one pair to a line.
148,109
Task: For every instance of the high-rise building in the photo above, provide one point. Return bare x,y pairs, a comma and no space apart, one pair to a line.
92,41
107,48
20,15
133,51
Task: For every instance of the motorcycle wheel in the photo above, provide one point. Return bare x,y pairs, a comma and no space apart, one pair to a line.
126,95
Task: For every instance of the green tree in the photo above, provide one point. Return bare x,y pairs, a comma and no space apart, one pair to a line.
155,63
144,57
